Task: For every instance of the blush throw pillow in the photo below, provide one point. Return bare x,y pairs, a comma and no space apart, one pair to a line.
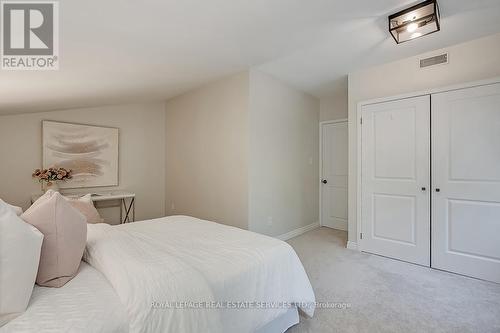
20,245
86,207
65,231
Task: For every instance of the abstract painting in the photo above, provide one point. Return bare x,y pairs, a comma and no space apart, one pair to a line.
90,151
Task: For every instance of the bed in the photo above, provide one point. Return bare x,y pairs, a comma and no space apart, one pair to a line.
87,303
176,274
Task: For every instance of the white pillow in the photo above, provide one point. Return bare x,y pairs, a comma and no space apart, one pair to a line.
20,246
17,210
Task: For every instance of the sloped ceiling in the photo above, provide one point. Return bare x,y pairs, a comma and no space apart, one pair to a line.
117,51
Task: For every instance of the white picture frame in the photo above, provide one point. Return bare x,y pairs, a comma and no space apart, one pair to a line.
91,152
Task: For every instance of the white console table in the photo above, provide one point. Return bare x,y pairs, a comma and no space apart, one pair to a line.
126,199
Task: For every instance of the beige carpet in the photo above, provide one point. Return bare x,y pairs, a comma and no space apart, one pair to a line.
387,295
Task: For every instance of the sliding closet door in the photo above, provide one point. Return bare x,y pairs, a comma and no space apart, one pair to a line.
466,181
395,179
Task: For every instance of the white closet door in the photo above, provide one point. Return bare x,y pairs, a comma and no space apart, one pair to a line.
466,171
334,172
396,178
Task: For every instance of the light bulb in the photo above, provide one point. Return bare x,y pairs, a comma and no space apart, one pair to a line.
412,27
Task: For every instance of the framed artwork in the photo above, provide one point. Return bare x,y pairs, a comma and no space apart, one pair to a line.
91,152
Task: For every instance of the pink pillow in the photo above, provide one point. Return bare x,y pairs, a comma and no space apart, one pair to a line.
65,236
86,207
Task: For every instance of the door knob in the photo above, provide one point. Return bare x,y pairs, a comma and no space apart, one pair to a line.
324,181
438,190
424,189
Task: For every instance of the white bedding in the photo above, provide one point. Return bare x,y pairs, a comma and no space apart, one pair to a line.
179,259
85,304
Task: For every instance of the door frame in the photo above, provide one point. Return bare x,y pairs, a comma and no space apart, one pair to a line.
321,123
471,84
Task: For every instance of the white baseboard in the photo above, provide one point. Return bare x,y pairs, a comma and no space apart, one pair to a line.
298,231
352,245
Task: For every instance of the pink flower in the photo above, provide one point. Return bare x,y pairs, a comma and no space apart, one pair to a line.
52,175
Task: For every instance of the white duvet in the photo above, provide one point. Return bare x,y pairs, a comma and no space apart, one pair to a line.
182,274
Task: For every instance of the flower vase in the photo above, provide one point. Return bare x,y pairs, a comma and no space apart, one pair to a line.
53,186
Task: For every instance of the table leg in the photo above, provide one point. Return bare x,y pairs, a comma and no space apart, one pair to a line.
128,209
121,211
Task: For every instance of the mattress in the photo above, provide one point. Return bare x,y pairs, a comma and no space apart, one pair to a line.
87,303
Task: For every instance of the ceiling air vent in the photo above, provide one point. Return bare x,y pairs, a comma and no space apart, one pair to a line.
436,60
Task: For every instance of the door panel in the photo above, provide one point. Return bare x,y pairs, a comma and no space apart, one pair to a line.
466,170
334,171
395,159
461,231
388,211
395,179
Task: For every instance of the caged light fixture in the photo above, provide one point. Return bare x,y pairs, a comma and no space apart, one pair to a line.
416,21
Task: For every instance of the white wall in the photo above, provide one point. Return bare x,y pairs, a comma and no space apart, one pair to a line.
475,60
242,150
283,159
206,147
334,105
141,153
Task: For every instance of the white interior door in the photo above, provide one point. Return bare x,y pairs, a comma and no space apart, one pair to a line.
395,182
466,171
334,175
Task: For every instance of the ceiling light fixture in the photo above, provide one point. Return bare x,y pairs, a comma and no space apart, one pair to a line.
416,21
